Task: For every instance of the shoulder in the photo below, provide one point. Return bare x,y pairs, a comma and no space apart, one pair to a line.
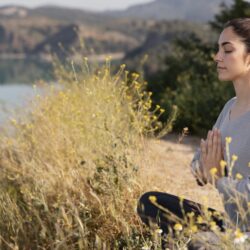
224,111
228,104
230,101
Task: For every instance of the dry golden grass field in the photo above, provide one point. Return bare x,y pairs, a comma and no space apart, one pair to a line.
74,167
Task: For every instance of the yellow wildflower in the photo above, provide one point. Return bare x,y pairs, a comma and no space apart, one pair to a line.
191,214
222,166
223,163
238,233
228,139
239,237
238,176
152,198
200,219
178,227
234,157
194,228
135,75
213,171
213,225
181,197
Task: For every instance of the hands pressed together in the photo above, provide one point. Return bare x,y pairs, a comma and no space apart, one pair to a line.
211,155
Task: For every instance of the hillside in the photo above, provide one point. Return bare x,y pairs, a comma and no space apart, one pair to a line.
191,10
158,43
33,35
41,30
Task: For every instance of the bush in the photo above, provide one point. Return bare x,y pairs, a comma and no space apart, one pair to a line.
190,82
69,165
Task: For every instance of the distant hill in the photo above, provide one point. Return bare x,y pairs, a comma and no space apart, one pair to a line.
191,10
69,14
158,43
62,14
13,11
40,30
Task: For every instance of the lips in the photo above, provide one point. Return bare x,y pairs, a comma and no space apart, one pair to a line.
221,67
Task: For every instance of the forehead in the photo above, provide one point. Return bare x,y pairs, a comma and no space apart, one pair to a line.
228,35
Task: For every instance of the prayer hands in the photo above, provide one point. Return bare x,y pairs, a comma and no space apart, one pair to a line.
211,155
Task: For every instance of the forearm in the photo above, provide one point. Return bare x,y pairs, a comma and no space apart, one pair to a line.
196,169
227,185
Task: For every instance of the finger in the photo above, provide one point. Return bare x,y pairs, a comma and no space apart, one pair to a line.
208,134
209,142
215,143
203,149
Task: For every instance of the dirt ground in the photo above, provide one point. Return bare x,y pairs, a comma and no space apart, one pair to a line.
166,168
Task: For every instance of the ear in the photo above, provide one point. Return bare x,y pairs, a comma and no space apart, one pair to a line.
248,60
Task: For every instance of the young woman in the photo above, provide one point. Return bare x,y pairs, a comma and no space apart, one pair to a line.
233,126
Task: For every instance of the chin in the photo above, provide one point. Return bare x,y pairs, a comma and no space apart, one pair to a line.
224,78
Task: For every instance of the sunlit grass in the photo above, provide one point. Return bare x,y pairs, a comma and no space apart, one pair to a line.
70,167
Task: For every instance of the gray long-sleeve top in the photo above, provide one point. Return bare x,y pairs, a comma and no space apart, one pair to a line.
233,187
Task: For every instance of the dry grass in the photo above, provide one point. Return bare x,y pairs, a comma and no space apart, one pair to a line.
73,167
167,169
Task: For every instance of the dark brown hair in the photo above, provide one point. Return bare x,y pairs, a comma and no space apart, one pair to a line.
241,26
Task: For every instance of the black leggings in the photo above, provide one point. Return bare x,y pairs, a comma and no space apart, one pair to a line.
165,210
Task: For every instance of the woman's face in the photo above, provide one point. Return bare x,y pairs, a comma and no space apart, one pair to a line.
233,62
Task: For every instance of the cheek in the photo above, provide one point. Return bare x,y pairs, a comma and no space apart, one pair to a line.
235,64
235,68
231,61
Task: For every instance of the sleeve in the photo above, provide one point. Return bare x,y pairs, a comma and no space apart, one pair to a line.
196,167
236,197
226,183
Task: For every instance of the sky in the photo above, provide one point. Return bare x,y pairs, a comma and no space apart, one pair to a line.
95,5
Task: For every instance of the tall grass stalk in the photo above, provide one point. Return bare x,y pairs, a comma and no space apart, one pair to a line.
69,167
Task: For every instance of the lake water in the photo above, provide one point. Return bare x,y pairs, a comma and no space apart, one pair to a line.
16,83
14,96
24,70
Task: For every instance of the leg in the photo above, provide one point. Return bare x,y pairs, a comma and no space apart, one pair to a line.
165,210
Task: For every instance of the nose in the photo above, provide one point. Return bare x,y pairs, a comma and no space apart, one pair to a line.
217,57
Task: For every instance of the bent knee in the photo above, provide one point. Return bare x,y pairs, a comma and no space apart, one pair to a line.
144,201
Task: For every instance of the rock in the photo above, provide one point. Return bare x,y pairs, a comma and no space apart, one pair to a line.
205,241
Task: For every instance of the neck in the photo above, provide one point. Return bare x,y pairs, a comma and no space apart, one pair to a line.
242,91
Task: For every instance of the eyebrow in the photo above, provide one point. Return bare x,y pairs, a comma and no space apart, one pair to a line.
224,43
